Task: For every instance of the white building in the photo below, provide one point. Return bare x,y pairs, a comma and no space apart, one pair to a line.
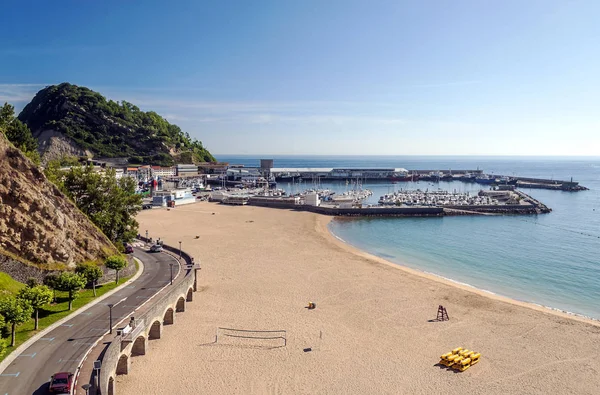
158,171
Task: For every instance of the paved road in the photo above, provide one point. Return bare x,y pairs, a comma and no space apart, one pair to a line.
62,349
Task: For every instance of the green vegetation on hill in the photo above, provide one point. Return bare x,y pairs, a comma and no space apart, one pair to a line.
110,129
18,133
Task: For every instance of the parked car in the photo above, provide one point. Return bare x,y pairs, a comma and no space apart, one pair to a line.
61,383
128,249
146,206
156,248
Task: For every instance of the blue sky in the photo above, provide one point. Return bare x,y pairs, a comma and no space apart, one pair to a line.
328,77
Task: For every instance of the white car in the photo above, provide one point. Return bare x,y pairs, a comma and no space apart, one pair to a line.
156,248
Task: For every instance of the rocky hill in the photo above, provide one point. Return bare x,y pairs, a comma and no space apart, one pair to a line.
37,222
71,120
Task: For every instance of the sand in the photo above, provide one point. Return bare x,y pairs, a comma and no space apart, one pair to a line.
370,333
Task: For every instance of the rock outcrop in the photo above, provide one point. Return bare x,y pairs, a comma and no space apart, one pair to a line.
37,222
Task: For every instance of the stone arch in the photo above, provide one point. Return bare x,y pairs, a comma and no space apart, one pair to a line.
169,317
190,295
180,306
139,346
123,364
155,330
111,386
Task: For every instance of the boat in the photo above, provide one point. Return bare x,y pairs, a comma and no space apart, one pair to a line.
485,179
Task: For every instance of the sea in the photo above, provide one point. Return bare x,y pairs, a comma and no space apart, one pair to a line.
552,260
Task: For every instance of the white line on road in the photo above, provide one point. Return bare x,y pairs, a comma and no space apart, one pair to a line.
67,360
68,325
27,355
11,374
47,338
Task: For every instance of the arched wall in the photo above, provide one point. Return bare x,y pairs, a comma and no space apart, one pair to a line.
180,306
160,311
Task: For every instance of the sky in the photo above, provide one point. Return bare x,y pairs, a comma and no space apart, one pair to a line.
334,77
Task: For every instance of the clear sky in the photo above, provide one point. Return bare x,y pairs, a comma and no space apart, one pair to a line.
327,77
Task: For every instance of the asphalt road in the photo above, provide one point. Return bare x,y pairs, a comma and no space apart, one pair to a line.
62,349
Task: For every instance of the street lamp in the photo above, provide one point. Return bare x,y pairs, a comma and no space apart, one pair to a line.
146,235
110,307
86,387
180,250
170,264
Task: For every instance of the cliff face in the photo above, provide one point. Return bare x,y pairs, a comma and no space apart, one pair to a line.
37,222
71,120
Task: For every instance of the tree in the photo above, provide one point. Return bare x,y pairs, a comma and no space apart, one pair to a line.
71,283
18,133
110,204
7,115
51,280
16,312
116,262
91,272
37,296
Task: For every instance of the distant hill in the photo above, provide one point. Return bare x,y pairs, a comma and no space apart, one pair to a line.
69,120
38,224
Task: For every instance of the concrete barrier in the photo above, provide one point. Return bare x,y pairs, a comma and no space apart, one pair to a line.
148,326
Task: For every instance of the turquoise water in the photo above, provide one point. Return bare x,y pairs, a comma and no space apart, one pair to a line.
551,259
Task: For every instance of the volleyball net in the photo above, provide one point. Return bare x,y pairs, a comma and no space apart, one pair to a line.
276,338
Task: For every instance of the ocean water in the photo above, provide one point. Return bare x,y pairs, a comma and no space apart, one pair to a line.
551,259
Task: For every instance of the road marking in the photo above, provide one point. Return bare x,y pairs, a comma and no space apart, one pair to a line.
67,360
131,286
69,325
47,338
11,374
27,355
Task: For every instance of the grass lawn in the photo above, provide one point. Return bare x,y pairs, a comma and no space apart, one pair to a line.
49,314
8,285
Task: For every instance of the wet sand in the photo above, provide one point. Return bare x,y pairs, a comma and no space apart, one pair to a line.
371,330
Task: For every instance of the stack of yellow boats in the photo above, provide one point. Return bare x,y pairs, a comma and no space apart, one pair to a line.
460,359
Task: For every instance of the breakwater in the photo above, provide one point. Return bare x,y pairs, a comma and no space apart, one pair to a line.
527,205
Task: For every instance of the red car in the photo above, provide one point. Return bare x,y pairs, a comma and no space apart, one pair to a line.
61,383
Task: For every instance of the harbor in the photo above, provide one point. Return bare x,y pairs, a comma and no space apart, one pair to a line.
349,191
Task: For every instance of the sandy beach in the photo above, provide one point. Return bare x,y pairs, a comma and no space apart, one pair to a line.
370,333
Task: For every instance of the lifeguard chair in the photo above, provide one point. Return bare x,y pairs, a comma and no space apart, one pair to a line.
442,314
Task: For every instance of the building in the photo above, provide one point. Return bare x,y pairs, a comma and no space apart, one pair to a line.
144,173
131,172
183,170
159,171
213,168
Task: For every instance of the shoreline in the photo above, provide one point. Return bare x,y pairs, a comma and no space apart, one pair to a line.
323,229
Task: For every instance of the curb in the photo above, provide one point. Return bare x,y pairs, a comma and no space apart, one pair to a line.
15,353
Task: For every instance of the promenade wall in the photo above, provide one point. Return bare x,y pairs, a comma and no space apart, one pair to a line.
160,311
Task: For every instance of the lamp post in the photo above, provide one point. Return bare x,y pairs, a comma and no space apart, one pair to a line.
110,307
171,265
146,235
86,387
180,250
